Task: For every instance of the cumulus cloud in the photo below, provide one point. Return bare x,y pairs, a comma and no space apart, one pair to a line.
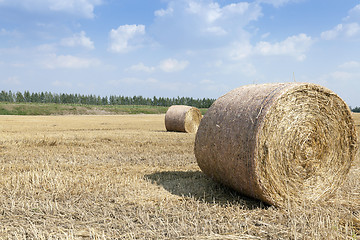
173,65
216,30
69,61
81,8
265,35
140,67
212,13
126,38
133,81
352,29
211,24
341,75
209,12
62,84
347,73
350,65
354,14
78,39
212,86
295,46
332,33
46,48
163,12
11,81
10,33
347,30
240,50
84,7
277,3
166,65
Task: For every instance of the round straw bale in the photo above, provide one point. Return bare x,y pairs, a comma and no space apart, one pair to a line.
278,142
180,118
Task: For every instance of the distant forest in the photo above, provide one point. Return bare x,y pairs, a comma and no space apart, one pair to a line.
355,109
63,98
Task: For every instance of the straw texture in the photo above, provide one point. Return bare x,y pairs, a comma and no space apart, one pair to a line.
180,118
278,142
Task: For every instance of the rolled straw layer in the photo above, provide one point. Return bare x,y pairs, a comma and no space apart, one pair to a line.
180,118
278,142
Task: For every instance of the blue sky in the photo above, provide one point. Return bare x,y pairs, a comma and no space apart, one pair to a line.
170,48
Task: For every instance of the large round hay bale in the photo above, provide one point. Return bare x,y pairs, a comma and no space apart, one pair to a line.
180,118
278,142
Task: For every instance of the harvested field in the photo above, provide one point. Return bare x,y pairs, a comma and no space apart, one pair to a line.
126,177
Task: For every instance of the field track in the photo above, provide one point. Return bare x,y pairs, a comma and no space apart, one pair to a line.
125,177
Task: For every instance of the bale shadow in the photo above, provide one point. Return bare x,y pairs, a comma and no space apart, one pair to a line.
170,132
160,131
197,185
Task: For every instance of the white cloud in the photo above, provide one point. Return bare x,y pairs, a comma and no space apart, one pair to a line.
265,35
350,65
355,10
295,46
11,81
340,75
346,76
352,29
62,84
244,68
277,3
84,7
216,30
78,39
333,33
206,81
211,12
126,38
167,65
17,65
212,86
347,30
240,50
81,8
13,33
162,12
173,65
68,61
140,67
46,48
212,25
354,14
133,81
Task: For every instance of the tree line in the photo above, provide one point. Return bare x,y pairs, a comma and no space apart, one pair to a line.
64,98
355,109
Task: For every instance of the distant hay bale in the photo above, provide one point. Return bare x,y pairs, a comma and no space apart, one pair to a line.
278,142
180,118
